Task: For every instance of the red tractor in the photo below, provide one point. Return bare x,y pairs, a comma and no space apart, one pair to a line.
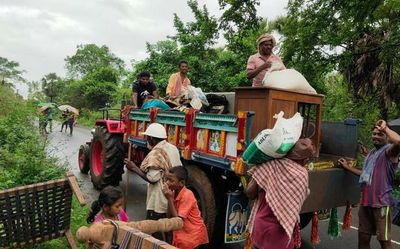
103,156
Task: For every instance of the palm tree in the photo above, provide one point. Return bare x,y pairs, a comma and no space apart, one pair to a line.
370,73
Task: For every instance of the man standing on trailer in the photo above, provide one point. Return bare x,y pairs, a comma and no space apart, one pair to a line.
259,63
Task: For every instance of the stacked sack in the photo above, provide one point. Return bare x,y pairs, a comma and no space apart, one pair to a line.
274,143
288,79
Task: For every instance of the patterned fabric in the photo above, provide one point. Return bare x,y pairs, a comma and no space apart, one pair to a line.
286,185
160,158
176,84
127,238
379,192
156,159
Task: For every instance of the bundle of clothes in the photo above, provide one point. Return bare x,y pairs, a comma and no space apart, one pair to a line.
191,97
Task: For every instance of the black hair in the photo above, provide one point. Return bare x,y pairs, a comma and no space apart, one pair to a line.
182,62
144,74
180,172
108,196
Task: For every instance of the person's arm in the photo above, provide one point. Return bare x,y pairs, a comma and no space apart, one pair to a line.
155,94
169,194
134,99
133,167
394,150
171,83
251,73
252,189
346,166
154,91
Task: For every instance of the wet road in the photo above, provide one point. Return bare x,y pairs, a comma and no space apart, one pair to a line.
66,148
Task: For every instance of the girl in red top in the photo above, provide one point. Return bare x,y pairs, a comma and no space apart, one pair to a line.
182,203
108,206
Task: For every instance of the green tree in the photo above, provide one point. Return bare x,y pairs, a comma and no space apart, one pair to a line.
359,39
52,85
162,61
99,87
9,71
196,40
90,57
240,22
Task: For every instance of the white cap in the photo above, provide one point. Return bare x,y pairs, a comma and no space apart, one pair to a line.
156,130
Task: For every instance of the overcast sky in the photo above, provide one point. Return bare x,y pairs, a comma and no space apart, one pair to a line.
39,34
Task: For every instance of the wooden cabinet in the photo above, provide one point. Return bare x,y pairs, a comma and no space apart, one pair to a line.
266,102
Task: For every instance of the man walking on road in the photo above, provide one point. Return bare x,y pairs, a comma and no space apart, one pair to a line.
376,180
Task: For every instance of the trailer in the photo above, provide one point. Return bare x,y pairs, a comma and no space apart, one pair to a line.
212,145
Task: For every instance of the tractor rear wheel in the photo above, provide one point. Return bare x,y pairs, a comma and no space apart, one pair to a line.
201,186
107,158
83,158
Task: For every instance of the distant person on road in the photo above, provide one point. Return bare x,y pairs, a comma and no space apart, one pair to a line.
178,82
271,224
71,121
259,63
64,116
50,113
376,178
143,89
43,121
161,158
182,203
108,206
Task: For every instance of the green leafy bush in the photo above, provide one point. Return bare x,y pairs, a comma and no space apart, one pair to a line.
23,158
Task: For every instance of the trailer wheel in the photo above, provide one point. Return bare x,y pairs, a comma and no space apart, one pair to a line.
305,218
106,160
83,158
201,186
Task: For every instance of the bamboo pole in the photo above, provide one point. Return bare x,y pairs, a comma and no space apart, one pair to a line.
127,176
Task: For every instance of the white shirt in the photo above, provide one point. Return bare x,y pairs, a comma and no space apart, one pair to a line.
156,200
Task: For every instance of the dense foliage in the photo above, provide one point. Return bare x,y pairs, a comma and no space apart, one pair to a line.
23,155
346,49
23,158
358,39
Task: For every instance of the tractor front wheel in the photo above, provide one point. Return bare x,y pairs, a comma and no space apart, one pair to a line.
107,155
83,158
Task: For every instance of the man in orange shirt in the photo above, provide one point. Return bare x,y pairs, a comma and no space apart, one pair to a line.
182,203
179,81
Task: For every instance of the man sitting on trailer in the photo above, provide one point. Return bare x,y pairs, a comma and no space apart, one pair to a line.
143,89
376,180
161,157
178,82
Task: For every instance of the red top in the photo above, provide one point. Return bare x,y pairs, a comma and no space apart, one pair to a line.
267,232
194,231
